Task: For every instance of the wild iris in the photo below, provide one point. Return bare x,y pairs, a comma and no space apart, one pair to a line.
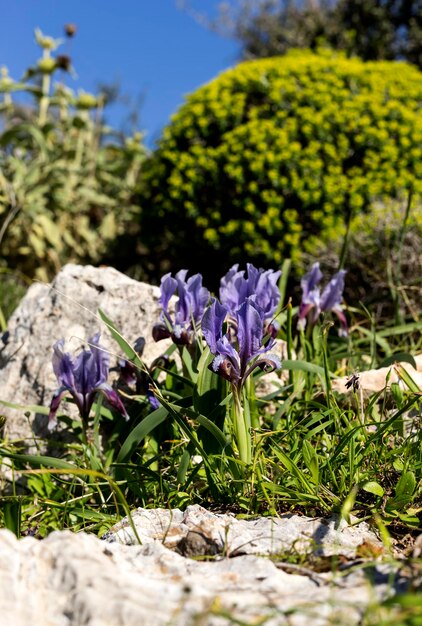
82,377
189,308
314,303
236,339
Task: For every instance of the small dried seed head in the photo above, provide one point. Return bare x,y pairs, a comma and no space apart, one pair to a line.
70,30
63,62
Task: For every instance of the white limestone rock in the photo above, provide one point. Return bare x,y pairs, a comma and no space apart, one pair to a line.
375,380
69,309
197,531
79,580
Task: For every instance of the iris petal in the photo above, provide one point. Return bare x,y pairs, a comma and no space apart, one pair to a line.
235,288
113,398
188,310
63,365
54,406
82,377
100,360
168,287
333,292
330,300
250,330
310,291
212,324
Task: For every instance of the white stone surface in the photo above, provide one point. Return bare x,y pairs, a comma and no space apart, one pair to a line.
80,580
69,309
224,534
372,381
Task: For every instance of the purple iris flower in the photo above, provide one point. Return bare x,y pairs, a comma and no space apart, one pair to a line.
315,303
188,310
236,341
82,377
262,284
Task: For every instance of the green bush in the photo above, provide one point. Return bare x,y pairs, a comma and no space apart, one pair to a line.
274,152
67,182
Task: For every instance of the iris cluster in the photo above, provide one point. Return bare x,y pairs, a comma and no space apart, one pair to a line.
239,329
314,302
188,311
83,378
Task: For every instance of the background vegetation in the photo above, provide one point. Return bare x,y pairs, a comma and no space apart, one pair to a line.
272,159
369,29
67,181
275,154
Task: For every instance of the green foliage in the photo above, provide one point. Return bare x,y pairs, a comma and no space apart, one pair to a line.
370,29
66,180
12,289
275,151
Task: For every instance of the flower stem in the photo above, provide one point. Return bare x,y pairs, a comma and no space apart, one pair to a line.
249,403
241,429
45,93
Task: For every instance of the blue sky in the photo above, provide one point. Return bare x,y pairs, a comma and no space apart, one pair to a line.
149,46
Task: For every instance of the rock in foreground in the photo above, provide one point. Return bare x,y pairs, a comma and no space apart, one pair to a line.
68,308
77,579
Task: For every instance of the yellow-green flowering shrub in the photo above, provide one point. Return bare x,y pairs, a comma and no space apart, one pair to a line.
278,150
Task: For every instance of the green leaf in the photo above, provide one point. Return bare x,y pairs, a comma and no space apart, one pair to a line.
406,486
384,345
405,376
203,421
398,465
397,394
373,487
310,458
125,346
348,504
183,467
282,284
180,414
398,357
410,520
303,366
302,480
405,489
12,510
15,134
140,431
403,329
50,231
38,460
209,394
189,365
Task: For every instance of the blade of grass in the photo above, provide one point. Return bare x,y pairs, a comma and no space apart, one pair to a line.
139,433
38,460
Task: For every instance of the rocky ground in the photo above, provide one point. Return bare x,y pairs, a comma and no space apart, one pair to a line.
197,568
